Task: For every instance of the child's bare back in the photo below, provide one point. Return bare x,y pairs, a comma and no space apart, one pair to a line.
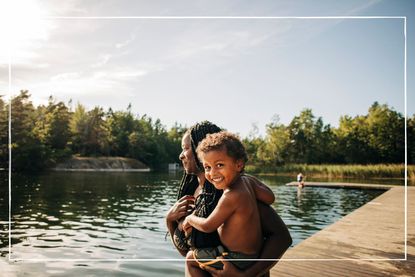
241,232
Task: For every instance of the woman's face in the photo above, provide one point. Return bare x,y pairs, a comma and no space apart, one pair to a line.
187,157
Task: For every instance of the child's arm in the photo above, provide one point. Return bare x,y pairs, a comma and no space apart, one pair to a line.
262,192
223,210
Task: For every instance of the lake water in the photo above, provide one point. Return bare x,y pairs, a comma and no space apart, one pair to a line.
95,219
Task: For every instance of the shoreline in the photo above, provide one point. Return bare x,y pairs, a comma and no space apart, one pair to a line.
337,171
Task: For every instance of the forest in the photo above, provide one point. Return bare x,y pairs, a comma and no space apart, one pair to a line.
46,134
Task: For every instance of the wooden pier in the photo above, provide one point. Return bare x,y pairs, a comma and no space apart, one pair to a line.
368,242
344,185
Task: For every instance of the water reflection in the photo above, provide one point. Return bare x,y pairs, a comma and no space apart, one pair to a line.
121,216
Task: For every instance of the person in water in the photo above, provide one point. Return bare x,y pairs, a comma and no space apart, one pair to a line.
236,215
195,190
300,180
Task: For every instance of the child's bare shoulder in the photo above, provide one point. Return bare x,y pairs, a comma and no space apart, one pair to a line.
233,195
250,180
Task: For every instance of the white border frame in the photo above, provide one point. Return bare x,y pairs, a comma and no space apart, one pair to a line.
216,17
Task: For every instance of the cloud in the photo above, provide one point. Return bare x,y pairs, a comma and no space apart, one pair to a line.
221,41
357,10
103,60
66,76
129,74
118,75
125,43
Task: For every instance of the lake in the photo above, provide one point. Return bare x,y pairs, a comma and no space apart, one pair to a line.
88,222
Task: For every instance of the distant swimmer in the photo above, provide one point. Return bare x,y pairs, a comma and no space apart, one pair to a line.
300,180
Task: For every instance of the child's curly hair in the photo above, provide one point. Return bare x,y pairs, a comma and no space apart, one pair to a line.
223,141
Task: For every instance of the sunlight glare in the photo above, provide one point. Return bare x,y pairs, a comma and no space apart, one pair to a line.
21,29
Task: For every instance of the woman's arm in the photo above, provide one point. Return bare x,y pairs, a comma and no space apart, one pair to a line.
277,241
176,212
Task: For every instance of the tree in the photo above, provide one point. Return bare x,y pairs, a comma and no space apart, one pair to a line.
353,145
88,131
411,139
120,127
274,150
28,153
174,140
386,133
305,132
4,134
52,128
253,144
377,137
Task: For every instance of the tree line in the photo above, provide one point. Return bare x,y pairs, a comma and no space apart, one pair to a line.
377,137
47,134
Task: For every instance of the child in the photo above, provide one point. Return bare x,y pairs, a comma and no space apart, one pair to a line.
236,215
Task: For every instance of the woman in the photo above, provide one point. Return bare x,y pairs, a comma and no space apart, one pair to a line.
277,237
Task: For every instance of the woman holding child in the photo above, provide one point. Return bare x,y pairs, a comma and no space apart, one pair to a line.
196,191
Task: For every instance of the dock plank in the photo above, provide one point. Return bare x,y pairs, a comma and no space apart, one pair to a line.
368,242
345,185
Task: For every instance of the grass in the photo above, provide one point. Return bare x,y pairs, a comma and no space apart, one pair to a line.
338,171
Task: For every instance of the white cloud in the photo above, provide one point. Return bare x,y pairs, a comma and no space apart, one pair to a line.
129,74
125,43
71,76
102,60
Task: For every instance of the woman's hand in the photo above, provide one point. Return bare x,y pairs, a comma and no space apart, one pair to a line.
180,209
229,270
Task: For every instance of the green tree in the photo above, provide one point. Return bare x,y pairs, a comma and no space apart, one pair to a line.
353,137
88,131
386,134
377,137
28,153
4,134
305,131
274,150
174,141
52,128
411,139
120,126
253,144
149,142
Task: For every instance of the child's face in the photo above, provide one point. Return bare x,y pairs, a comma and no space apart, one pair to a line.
221,169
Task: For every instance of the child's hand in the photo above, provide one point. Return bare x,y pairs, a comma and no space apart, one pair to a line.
187,228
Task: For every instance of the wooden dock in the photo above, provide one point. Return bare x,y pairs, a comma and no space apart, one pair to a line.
368,242
344,185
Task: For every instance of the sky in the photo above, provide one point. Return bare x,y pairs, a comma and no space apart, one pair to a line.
235,72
